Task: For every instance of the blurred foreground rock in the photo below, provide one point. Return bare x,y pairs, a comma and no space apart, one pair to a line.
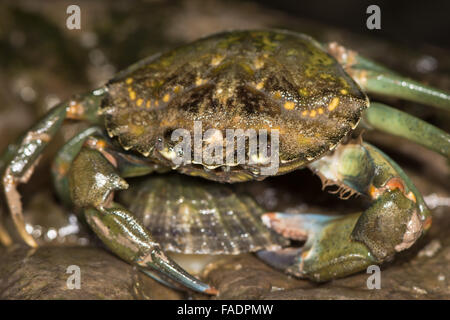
41,274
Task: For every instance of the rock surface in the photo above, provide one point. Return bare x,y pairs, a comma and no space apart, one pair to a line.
42,274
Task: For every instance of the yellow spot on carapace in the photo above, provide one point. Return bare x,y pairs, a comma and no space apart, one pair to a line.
333,104
258,63
236,119
326,76
147,105
216,60
166,97
289,105
277,95
137,130
304,113
320,111
139,102
132,95
268,44
167,123
129,80
301,139
303,91
156,103
260,85
177,89
343,91
313,113
247,68
199,81
292,52
343,82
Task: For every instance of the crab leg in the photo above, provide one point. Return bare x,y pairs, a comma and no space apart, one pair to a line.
19,160
86,171
337,246
92,179
374,78
5,238
382,117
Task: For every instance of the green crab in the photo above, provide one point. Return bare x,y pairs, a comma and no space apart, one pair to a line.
312,94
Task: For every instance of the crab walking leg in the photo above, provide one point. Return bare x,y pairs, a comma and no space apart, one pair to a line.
5,158
19,161
92,180
375,78
382,117
337,246
5,238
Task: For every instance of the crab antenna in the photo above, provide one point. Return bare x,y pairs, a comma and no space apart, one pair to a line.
375,78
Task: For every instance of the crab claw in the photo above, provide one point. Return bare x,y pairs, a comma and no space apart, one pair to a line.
94,179
295,226
159,262
300,227
127,238
337,246
328,251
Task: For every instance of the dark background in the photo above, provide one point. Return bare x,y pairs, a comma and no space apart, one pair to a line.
406,22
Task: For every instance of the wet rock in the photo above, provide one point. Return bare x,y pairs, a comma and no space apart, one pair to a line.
41,274
246,277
